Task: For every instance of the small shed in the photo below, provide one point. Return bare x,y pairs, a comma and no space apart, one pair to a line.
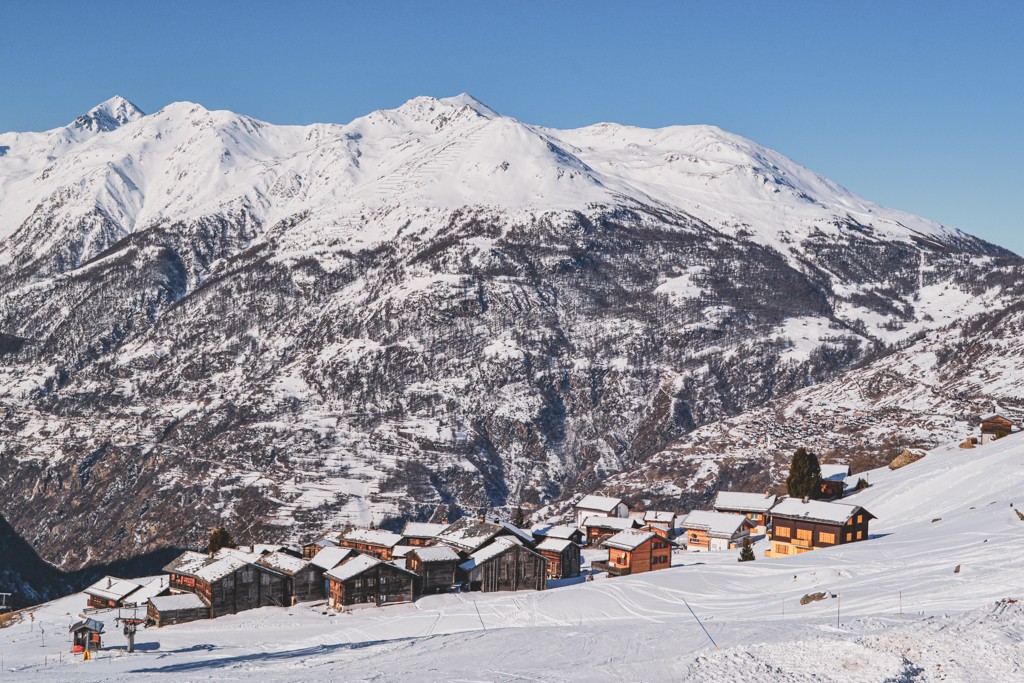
994,426
86,634
180,608
563,557
833,480
505,565
434,567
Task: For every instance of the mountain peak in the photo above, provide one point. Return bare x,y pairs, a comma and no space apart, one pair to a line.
109,115
466,100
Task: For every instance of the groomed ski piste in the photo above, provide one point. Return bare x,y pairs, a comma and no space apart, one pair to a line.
936,594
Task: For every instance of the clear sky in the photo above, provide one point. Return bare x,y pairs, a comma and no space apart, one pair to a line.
915,105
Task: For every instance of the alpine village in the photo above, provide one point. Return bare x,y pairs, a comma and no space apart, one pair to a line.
600,536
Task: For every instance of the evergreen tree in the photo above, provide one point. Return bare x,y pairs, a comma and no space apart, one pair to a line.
219,538
804,475
519,519
747,554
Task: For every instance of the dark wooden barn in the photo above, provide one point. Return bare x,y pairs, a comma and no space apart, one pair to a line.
179,608
434,567
229,581
563,557
303,580
505,565
366,580
110,592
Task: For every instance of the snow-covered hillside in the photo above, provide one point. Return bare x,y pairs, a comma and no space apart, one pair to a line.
207,319
936,593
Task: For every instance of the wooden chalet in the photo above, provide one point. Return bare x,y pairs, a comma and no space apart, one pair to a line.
469,534
229,581
558,531
365,580
326,560
833,480
434,567
303,582
600,506
993,426
660,520
310,549
754,506
180,608
110,592
802,525
377,542
563,557
505,565
633,552
600,528
422,533
709,530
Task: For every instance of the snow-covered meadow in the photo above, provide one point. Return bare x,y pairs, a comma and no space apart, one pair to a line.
933,595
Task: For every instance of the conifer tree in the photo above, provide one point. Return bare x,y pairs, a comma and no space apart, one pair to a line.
747,554
519,519
804,478
219,538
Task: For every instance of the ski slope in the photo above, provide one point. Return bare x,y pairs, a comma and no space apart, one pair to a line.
953,508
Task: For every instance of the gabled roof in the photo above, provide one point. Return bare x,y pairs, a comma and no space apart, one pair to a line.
659,516
283,563
331,556
87,623
378,537
742,501
489,552
818,510
469,533
599,503
618,523
555,545
435,553
353,567
834,472
207,568
402,550
555,531
629,539
324,542
178,601
423,529
112,588
151,587
717,524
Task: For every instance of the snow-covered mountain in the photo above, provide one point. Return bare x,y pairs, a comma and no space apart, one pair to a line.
209,319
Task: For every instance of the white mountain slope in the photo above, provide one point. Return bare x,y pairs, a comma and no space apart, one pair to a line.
207,319
946,543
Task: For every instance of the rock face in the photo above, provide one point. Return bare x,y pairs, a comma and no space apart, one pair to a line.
206,319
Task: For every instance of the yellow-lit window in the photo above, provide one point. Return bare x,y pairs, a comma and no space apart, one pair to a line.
826,538
849,536
782,531
860,519
804,534
860,535
850,521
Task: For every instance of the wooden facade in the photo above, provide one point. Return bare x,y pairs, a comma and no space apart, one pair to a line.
310,550
228,583
303,580
601,528
634,552
380,544
359,582
176,609
996,424
505,566
793,534
435,568
563,558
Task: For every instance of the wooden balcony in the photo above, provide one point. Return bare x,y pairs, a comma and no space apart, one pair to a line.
612,569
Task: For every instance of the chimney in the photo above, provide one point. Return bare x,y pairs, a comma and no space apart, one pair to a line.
806,500
110,582
767,493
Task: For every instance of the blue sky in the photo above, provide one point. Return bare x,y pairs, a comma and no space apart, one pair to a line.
916,105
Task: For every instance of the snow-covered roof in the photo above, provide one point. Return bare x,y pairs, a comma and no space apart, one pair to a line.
611,522
469,533
91,624
151,587
629,539
555,531
717,524
324,542
488,552
379,537
112,588
283,562
237,553
556,545
819,510
659,516
177,601
423,529
436,553
220,568
742,501
523,534
599,503
266,548
834,472
202,566
353,567
331,556
402,550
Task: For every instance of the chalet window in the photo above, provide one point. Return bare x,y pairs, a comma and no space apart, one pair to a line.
782,531
860,535
849,536
804,534
860,519
824,537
